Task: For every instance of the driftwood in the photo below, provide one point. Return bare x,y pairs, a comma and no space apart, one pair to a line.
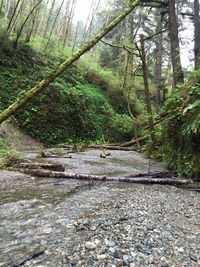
46,166
134,179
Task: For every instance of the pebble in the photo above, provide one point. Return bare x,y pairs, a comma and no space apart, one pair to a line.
101,257
135,226
90,245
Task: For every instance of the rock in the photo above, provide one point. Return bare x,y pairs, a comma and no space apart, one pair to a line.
97,242
102,257
193,257
86,222
90,245
125,259
112,250
181,250
111,243
117,254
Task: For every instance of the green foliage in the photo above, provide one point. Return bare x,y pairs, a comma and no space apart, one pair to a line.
106,79
120,128
70,109
179,136
54,48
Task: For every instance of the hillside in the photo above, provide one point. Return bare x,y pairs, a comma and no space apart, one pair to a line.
13,138
70,109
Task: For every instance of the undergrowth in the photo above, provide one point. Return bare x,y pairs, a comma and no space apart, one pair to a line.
72,108
179,135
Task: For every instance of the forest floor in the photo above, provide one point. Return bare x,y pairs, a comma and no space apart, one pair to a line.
59,222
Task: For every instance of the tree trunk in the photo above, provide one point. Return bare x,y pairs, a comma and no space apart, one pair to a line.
18,15
146,179
12,17
24,23
1,7
51,77
7,9
32,24
68,22
196,34
75,37
158,63
49,17
147,91
109,147
174,41
54,23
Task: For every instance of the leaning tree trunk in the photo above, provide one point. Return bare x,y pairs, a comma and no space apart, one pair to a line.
24,23
12,17
174,41
32,25
196,34
51,77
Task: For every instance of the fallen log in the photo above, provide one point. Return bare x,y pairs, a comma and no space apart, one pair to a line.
111,147
166,181
165,174
57,156
143,180
134,141
37,165
54,155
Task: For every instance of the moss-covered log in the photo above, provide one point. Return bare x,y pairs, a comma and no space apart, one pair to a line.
50,78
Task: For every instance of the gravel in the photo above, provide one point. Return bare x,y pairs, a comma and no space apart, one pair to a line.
57,223
150,226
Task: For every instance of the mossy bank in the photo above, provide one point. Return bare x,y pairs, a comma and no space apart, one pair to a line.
70,109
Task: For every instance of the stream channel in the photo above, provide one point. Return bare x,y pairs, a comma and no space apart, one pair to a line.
39,217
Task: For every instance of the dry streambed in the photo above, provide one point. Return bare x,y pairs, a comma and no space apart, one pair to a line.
49,222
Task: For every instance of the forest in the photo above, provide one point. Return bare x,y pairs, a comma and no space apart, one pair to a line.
128,71
99,133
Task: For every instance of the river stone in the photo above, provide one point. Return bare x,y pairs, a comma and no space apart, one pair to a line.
111,244
102,257
112,250
90,245
97,242
181,250
86,222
